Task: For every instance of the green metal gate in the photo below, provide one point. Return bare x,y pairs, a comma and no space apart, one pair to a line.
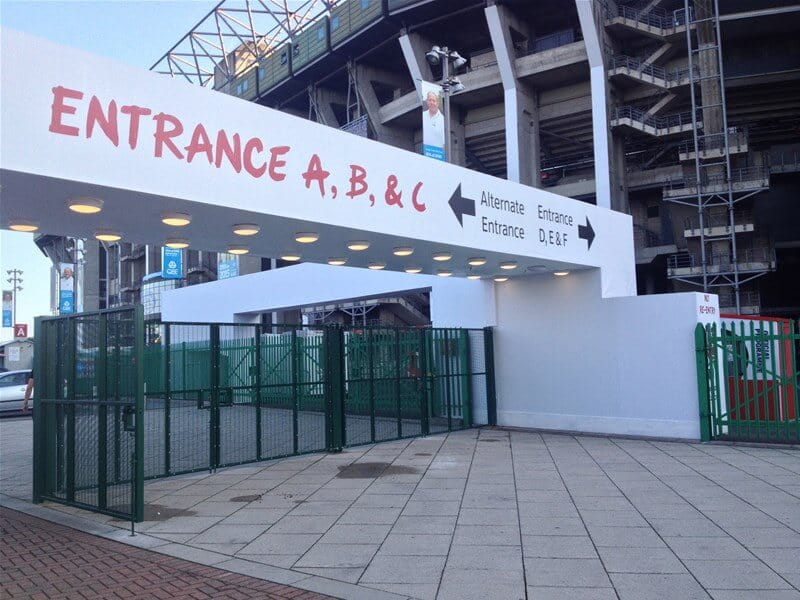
88,442
748,382
208,395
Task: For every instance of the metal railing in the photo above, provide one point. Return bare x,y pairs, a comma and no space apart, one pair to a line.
655,17
746,298
714,141
724,261
784,162
549,42
658,123
720,219
645,69
746,178
645,238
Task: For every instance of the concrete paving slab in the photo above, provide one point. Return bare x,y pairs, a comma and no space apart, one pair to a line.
645,506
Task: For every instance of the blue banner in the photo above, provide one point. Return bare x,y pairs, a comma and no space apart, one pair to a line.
7,320
433,151
66,302
171,263
227,266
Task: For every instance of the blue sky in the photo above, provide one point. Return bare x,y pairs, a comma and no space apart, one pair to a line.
137,33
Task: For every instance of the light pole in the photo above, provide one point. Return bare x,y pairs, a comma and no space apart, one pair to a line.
450,84
15,280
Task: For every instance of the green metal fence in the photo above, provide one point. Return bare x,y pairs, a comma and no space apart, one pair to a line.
87,410
208,395
748,381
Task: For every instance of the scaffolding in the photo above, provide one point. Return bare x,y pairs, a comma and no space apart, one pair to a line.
715,182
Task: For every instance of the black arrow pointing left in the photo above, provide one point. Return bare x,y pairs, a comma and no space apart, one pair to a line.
461,206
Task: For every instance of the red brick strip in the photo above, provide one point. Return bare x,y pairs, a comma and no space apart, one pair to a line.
41,560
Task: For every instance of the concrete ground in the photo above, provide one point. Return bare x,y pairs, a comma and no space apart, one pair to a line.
480,514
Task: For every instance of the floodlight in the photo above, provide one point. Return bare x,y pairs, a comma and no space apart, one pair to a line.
433,56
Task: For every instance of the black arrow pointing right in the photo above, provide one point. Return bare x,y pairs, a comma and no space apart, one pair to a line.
585,232
461,206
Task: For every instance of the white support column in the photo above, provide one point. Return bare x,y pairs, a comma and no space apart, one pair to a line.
414,47
598,77
394,136
521,103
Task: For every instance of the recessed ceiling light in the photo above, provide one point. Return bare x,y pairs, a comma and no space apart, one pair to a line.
473,277
238,250
537,269
508,265
560,273
107,236
500,279
176,219
25,226
413,270
85,205
376,266
357,246
176,243
444,273
246,229
403,251
290,257
337,262
442,256
308,237
477,261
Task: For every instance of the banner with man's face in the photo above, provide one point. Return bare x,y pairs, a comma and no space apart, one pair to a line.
433,126
66,288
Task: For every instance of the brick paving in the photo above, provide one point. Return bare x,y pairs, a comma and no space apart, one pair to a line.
43,560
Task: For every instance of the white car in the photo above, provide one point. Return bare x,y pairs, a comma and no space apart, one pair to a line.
12,390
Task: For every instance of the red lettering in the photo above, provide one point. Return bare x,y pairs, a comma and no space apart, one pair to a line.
58,108
276,163
233,154
135,113
392,196
420,206
199,144
358,181
315,172
107,124
253,144
164,137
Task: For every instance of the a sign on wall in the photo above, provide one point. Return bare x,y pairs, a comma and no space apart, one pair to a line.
66,288
227,266
20,330
8,303
88,119
171,263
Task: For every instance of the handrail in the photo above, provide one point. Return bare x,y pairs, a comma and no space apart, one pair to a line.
715,141
655,17
687,260
737,178
621,61
665,122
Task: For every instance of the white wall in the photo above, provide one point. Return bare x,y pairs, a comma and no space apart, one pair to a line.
454,302
567,360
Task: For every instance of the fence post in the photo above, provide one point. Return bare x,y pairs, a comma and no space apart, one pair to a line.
488,357
38,409
334,387
101,379
214,410
138,476
701,354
